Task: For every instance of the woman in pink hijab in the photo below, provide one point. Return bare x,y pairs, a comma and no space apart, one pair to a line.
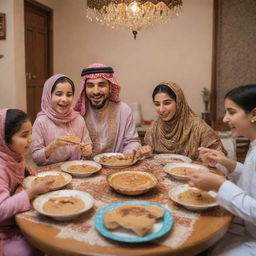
15,139
56,122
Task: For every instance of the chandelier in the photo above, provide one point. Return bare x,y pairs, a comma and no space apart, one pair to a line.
132,14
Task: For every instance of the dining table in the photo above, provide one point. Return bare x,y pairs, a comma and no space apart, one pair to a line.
192,231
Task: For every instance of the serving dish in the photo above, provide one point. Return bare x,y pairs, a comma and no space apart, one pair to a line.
83,168
30,180
99,159
123,235
180,171
132,182
40,201
176,191
172,158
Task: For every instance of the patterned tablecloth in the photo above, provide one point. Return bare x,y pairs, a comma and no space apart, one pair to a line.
83,229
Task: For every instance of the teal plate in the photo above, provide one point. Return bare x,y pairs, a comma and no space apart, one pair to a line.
123,235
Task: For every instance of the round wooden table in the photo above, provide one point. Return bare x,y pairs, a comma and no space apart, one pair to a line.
208,228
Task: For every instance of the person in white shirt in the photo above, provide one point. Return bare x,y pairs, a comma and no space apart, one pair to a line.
237,193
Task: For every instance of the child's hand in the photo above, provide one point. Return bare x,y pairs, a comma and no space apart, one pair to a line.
86,149
39,188
206,181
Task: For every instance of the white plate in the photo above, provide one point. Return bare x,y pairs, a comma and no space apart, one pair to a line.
64,167
28,181
39,202
98,157
169,167
174,193
167,158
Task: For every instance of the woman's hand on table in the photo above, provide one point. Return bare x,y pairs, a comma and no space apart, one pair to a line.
39,188
211,157
206,181
145,151
86,149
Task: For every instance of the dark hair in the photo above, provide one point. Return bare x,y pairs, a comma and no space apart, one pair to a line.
163,88
62,80
244,96
13,122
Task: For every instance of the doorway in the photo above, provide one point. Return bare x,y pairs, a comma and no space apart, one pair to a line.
38,52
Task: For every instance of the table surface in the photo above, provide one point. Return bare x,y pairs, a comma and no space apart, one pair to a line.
207,229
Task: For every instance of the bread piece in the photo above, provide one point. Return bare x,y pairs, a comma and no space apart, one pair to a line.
71,138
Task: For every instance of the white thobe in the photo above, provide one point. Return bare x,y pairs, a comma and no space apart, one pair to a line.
238,195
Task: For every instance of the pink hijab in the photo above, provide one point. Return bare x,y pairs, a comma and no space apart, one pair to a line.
13,163
82,103
46,104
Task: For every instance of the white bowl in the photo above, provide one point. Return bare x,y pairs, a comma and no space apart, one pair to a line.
170,158
64,167
169,167
174,193
28,181
39,202
97,159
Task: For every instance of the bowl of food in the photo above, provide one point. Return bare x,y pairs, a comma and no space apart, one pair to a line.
114,160
132,182
63,205
172,158
60,179
180,171
133,221
81,168
193,198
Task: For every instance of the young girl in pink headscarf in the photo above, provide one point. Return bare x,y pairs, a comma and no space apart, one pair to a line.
56,120
15,139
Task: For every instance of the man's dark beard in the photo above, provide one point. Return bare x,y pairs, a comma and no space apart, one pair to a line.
98,106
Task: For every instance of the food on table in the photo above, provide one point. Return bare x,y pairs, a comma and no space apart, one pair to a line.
132,180
139,218
63,205
58,180
81,168
184,171
196,197
116,160
71,138
170,160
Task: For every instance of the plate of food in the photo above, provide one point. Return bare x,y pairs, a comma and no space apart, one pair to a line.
193,198
80,168
63,205
172,158
132,182
133,221
114,160
60,179
180,171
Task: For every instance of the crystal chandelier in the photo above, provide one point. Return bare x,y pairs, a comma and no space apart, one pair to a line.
132,14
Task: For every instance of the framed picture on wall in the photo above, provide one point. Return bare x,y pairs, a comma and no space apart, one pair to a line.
2,26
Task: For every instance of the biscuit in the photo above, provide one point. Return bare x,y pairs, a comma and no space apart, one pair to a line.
139,218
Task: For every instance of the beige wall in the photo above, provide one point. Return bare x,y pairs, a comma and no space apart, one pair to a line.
12,65
180,50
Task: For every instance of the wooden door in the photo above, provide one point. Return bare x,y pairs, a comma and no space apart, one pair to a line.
38,52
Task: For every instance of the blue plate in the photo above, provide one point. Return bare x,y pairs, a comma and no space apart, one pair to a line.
159,228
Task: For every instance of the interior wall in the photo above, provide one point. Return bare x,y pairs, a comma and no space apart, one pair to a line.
180,51
12,65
